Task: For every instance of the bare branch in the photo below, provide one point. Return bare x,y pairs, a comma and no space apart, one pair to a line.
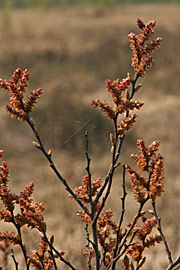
173,264
161,233
14,259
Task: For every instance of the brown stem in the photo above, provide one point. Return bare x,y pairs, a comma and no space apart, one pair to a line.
93,205
23,247
173,264
121,218
88,245
161,233
89,172
95,244
21,243
57,252
41,260
14,259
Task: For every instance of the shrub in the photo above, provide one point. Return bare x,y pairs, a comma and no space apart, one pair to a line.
110,243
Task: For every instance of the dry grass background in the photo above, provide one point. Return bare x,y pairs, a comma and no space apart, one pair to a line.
70,53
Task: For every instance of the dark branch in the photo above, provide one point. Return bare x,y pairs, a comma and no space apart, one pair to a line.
14,259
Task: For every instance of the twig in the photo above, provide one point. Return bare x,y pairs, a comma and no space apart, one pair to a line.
94,225
161,233
88,242
123,198
21,242
121,218
173,264
130,229
95,240
14,259
109,177
57,252
52,256
89,172
40,260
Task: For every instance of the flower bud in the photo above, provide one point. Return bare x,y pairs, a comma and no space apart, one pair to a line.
50,153
37,145
143,213
138,87
52,239
141,262
112,139
151,212
117,165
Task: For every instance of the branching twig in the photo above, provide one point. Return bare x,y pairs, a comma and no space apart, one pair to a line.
93,205
57,252
14,259
41,260
52,256
21,242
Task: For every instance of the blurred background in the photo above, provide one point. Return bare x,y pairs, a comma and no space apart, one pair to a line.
70,48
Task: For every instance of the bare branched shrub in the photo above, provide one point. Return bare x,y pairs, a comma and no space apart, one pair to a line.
110,244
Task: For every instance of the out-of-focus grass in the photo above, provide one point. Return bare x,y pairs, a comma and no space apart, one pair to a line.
45,4
70,53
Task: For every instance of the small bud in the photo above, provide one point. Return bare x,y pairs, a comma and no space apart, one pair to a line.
135,219
28,261
32,121
4,164
39,91
112,139
129,75
37,145
50,152
151,212
1,153
43,226
138,87
143,213
140,23
141,262
61,252
112,149
52,240
117,165
36,133
127,95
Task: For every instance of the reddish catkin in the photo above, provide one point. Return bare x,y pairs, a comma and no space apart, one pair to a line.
19,108
142,59
152,163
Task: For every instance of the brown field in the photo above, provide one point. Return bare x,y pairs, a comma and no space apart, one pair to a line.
70,53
